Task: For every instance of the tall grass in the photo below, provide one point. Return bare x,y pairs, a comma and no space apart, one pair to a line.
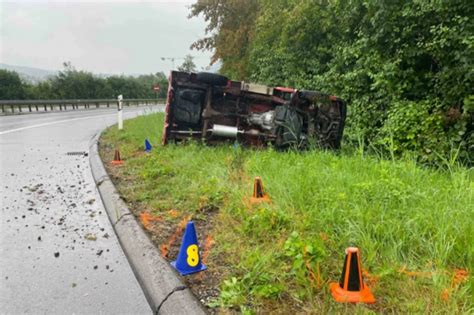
414,225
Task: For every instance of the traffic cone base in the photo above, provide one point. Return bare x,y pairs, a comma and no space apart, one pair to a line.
351,288
344,296
117,160
189,260
259,194
258,200
188,272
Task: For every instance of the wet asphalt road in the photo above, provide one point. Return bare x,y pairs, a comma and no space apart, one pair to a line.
58,251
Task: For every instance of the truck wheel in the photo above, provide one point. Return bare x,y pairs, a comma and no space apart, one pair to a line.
330,124
212,78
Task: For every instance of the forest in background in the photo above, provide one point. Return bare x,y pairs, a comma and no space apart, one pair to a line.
77,84
404,67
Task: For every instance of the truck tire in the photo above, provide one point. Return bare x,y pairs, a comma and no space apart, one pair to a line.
212,78
330,124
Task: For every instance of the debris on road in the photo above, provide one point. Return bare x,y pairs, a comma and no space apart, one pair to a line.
90,237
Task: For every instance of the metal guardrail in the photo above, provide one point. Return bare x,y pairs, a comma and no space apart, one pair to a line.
12,106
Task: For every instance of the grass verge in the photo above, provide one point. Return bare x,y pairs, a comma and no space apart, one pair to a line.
414,226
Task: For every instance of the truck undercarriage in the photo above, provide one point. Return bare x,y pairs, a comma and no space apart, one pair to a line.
209,107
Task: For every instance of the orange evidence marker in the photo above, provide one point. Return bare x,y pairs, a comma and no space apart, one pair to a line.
117,160
259,194
351,288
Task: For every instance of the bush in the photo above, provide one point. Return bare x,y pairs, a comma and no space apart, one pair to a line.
395,62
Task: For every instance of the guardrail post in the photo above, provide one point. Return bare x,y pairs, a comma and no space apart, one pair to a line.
45,109
29,108
19,108
97,105
13,109
36,107
51,106
3,108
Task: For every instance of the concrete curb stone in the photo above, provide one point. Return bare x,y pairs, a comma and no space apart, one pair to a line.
164,291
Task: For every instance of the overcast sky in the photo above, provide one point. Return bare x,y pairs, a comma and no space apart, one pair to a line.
101,36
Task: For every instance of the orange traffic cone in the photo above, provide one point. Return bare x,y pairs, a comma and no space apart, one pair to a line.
351,288
117,160
259,194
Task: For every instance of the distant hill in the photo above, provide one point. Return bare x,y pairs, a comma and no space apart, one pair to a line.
29,74
35,75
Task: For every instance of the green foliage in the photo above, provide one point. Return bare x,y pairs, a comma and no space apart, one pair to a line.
11,86
258,282
74,84
230,29
40,91
400,215
420,127
302,252
378,55
188,64
268,220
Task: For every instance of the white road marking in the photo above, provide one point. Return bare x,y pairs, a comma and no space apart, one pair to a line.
51,123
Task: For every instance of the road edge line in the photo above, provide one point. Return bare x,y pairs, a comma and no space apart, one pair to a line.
154,274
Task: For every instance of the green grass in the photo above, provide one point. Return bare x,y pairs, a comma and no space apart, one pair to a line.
401,216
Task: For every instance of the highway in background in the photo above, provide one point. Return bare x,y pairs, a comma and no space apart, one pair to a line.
58,251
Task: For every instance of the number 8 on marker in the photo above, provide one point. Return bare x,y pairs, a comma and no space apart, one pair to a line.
193,256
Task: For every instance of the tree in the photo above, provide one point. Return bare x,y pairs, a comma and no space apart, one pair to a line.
11,86
73,84
405,67
231,25
188,64
40,91
148,81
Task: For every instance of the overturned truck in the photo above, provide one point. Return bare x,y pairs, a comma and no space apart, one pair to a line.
209,107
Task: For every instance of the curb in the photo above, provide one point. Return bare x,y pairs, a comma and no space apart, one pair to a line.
163,290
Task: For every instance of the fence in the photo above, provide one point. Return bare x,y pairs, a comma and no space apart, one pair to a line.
12,106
